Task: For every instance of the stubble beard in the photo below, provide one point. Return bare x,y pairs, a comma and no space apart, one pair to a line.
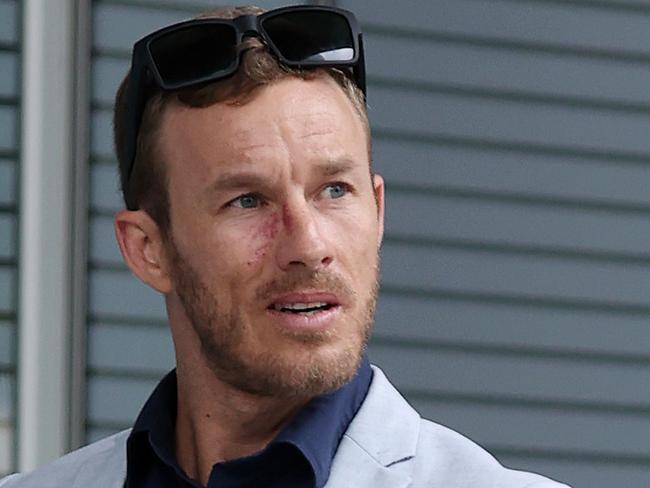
223,335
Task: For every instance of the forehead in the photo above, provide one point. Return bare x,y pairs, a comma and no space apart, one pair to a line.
290,120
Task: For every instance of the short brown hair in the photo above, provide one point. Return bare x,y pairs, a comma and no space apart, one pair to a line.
149,179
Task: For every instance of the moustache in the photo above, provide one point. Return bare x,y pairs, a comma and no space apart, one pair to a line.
325,281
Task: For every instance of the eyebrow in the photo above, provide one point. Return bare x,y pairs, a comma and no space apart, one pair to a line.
237,180
336,167
249,179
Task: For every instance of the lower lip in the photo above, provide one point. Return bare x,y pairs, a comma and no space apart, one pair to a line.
317,321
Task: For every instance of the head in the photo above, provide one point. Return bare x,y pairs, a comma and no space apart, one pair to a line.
263,226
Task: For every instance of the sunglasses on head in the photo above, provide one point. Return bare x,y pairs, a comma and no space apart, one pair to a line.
202,50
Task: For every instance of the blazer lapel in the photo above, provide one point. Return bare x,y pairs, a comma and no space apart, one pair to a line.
358,469
380,443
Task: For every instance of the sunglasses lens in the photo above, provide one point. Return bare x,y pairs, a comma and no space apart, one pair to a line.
311,36
193,53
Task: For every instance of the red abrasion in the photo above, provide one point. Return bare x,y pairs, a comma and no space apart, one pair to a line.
264,236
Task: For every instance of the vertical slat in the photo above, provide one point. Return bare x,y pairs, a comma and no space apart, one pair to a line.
46,187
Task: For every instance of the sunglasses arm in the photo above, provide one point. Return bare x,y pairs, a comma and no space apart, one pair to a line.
361,69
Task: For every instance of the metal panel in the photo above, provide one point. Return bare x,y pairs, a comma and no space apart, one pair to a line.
8,21
7,289
115,401
489,374
499,274
446,320
530,23
549,429
7,235
9,70
440,62
7,182
476,117
119,294
6,344
7,416
9,112
8,123
130,347
580,180
6,447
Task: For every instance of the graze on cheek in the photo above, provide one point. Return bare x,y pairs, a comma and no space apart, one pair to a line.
264,236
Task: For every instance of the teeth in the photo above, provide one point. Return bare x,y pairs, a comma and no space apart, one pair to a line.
298,306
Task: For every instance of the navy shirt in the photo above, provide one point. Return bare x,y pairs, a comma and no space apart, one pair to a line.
300,455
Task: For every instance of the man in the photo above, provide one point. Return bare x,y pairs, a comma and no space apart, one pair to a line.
244,153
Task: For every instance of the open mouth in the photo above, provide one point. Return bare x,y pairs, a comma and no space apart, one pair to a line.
302,308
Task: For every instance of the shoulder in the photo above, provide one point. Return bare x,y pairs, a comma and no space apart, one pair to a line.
432,454
443,453
101,464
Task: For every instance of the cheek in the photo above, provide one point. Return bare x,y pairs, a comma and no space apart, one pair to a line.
263,237
359,244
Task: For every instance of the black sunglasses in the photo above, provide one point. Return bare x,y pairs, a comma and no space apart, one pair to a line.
201,50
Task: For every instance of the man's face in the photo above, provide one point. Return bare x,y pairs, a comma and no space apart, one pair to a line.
275,231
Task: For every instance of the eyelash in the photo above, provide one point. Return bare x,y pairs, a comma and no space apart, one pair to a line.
246,195
346,187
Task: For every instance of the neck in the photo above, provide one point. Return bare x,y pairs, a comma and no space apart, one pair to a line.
215,422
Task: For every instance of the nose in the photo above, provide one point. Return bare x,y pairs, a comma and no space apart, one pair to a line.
304,243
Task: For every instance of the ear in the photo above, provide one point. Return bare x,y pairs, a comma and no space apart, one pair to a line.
143,248
378,184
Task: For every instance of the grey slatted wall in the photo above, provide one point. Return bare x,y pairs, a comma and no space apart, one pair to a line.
514,139
9,121
514,136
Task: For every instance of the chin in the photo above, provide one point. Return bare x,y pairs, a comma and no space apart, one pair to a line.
298,369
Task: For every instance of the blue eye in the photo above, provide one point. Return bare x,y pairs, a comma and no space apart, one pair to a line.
336,190
246,201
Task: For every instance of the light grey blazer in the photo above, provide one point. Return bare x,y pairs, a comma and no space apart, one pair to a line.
387,445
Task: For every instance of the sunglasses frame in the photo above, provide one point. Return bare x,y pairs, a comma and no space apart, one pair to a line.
144,76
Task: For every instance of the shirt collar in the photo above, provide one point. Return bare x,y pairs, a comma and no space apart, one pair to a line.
315,431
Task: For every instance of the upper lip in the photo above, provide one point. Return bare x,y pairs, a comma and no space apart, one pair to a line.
305,297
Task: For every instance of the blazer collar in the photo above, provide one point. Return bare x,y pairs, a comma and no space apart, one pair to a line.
380,442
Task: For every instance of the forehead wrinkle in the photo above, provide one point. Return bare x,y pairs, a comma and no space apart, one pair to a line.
315,123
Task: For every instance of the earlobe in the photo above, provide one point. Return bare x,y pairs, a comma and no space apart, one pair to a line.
142,247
